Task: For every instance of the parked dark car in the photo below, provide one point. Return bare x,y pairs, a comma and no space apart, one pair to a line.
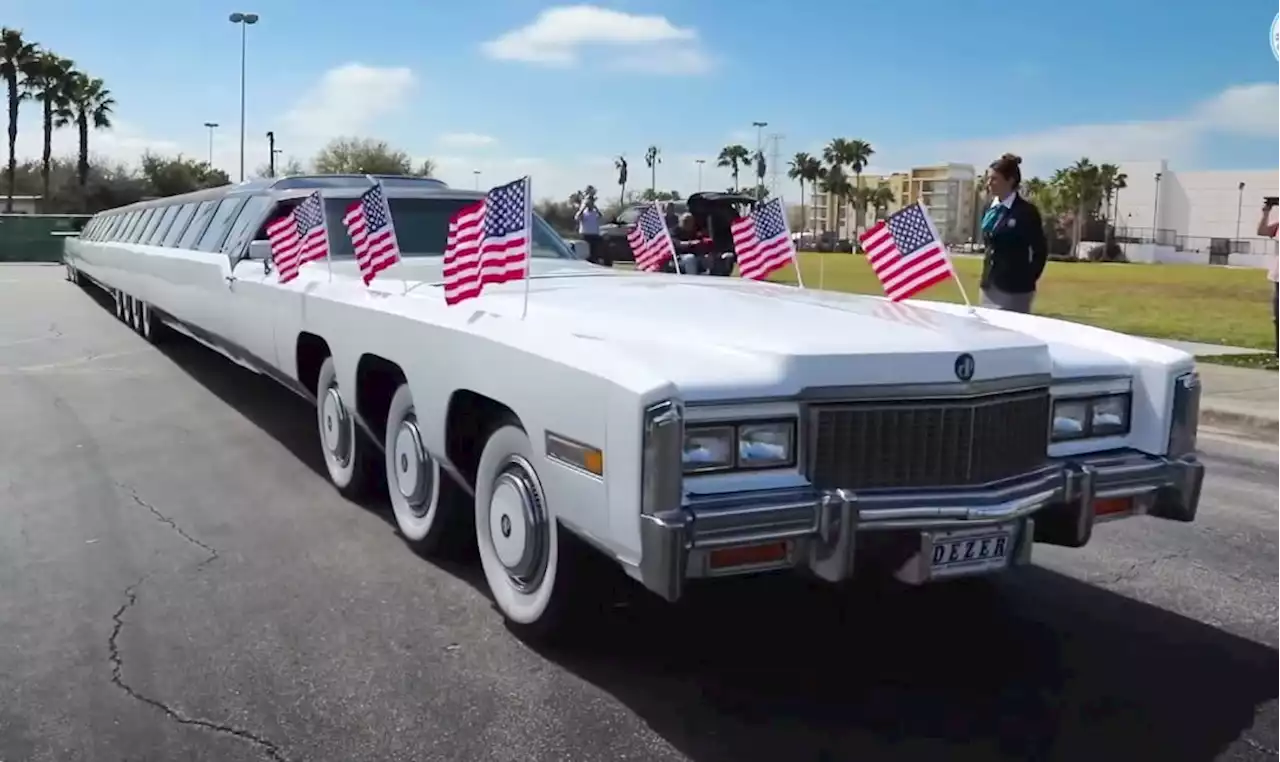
613,234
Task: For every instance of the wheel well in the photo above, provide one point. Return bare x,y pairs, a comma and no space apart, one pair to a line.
377,379
471,416
311,353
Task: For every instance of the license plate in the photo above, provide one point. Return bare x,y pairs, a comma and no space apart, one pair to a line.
968,551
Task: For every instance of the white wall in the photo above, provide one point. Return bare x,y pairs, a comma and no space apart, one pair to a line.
1198,204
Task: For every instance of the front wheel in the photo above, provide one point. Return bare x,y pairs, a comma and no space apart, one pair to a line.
347,452
517,535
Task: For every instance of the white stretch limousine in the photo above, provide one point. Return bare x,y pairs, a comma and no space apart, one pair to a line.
684,427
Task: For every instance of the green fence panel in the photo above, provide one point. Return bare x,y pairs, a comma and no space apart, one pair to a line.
36,237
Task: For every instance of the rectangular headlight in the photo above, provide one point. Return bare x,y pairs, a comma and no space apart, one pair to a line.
739,446
1105,415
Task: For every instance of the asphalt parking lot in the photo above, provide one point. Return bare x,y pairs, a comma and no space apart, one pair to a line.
178,581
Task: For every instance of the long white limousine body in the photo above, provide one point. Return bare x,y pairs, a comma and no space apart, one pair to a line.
686,428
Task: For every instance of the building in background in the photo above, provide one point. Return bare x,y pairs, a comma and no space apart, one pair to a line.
946,191
1212,212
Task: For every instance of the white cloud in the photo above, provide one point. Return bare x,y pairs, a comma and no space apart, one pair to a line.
1242,110
559,36
347,101
465,140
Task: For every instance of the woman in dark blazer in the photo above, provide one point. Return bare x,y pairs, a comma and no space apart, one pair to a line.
1014,238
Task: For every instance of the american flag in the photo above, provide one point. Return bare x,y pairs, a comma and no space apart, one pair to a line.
373,234
298,237
906,253
488,242
762,241
651,241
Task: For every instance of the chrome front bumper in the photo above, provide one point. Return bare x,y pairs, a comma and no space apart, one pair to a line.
821,527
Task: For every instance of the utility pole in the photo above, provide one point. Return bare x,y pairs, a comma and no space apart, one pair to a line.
775,161
699,162
759,152
1239,209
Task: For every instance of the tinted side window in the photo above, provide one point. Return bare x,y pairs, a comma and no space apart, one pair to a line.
129,224
422,228
198,224
213,235
150,229
179,224
108,225
143,218
243,226
157,236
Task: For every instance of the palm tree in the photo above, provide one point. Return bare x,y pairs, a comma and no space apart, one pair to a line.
813,172
652,158
835,183
620,164
880,199
796,171
17,59
854,154
92,106
48,83
734,157
1119,182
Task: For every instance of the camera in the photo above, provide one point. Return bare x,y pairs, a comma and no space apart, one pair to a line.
1270,201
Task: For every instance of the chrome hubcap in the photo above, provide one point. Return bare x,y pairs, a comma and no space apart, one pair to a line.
412,467
335,426
518,525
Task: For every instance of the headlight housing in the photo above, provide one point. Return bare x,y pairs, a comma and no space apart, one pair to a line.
1104,415
739,446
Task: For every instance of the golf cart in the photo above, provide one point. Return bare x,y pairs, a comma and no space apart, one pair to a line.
715,213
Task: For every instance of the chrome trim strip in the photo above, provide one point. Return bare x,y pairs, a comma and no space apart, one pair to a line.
908,392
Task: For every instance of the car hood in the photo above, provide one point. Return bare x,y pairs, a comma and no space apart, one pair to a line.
727,338
720,338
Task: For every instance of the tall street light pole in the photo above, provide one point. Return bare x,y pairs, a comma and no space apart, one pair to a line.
699,162
244,20
1155,212
476,173
1239,209
211,126
271,153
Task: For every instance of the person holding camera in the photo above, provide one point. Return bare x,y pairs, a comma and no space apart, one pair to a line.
1267,229
1014,236
588,219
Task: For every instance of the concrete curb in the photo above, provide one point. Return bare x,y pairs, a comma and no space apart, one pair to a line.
1254,426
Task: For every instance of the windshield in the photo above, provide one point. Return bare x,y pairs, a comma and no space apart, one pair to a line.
422,227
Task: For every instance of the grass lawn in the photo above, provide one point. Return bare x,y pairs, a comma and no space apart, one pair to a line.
1215,305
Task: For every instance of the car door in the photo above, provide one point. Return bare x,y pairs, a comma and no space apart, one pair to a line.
256,298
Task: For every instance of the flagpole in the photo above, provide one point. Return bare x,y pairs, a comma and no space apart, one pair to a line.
528,244
671,244
795,254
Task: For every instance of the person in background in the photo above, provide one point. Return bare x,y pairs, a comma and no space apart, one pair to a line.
1014,236
690,243
588,219
1267,229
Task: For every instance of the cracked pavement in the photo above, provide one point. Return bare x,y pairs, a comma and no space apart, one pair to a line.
179,582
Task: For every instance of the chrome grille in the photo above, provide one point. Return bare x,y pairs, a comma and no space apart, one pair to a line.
927,443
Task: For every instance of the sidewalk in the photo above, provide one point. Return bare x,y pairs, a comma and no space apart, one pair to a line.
1239,398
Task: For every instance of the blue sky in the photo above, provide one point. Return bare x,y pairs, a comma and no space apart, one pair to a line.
519,86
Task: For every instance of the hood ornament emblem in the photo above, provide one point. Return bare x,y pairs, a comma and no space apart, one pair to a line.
964,367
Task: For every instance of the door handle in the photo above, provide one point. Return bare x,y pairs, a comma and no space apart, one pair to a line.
229,279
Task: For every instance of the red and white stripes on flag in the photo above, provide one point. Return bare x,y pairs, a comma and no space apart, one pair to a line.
489,242
298,237
651,241
762,241
906,253
373,233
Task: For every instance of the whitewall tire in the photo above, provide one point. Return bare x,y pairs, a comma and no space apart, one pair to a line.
517,535
426,503
135,315
346,451
119,303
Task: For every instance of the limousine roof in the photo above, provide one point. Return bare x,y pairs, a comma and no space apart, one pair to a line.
297,185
